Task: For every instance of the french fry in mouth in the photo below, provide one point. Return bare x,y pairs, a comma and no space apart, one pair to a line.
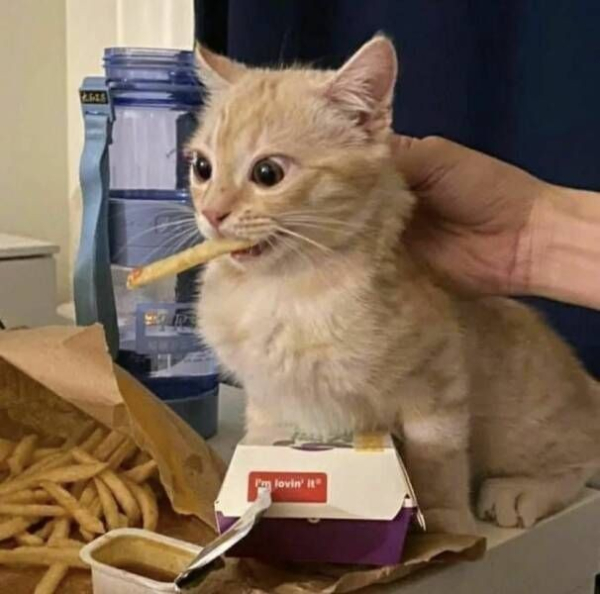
199,254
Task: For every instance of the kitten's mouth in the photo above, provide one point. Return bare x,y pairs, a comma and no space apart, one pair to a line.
252,252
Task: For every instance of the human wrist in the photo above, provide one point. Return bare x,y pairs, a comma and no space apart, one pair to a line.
558,252
531,241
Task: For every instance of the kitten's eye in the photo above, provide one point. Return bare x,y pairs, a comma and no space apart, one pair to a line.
202,167
267,173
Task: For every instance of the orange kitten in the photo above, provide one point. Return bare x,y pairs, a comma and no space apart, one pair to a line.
332,327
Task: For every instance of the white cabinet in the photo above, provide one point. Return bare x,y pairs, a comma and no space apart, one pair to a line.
27,281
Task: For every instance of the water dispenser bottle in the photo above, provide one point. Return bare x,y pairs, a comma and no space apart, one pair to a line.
136,210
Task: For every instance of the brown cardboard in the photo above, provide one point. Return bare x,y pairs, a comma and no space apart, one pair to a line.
352,492
423,550
338,463
64,374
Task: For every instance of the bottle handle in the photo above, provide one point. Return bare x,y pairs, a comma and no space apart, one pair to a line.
92,283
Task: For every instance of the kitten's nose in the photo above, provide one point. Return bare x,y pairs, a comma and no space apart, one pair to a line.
215,217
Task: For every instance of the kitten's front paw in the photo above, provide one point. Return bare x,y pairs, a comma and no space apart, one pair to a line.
450,521
514,502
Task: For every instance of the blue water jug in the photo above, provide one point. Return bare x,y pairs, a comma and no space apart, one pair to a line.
137,209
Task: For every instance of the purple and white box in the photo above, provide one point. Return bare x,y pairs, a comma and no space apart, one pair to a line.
343,500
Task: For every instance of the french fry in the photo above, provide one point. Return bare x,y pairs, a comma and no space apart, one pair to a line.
89,499
57,572
54,575
68,474
29,540
60,529
120,491
109,505
46,530
81,487
41,556
26,496
71,474
33,491
140,458
140,474
87,536
147,501
31,510
14,526
22,454
42,453
122,453
57,460
88,495
65,543
95,509
108,445
6,449
172,265
81,515
94,440
123,496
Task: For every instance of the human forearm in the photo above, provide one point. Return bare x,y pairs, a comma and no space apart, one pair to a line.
558,255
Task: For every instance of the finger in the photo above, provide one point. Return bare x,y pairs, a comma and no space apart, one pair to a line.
403,142
423,161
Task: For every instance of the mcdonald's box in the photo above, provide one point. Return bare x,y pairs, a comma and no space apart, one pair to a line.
342,500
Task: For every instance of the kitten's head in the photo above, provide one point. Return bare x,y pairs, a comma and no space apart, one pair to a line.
291,158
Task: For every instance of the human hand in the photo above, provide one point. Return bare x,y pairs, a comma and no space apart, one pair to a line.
473,213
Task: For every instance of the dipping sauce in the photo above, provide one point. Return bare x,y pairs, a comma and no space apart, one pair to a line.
144,557
152,572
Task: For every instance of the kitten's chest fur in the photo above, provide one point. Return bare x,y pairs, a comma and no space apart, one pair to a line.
291,342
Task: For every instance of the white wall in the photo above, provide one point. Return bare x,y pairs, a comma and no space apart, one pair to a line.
46,48
93,25
33,129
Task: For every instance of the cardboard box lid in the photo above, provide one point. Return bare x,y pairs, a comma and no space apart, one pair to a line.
360,477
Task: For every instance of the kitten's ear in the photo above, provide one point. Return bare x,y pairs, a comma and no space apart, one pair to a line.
216,71
364,85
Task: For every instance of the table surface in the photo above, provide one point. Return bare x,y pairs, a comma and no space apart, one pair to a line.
14,246
574,572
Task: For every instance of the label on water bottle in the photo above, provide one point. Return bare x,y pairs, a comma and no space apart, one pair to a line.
168,328
93,97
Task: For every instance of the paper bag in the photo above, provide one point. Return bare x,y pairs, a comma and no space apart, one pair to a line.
51,379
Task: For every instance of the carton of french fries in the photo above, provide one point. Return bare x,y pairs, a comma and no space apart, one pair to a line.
85,449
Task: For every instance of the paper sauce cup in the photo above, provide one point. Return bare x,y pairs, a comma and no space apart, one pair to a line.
114,557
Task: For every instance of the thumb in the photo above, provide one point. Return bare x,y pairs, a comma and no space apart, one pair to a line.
422,161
